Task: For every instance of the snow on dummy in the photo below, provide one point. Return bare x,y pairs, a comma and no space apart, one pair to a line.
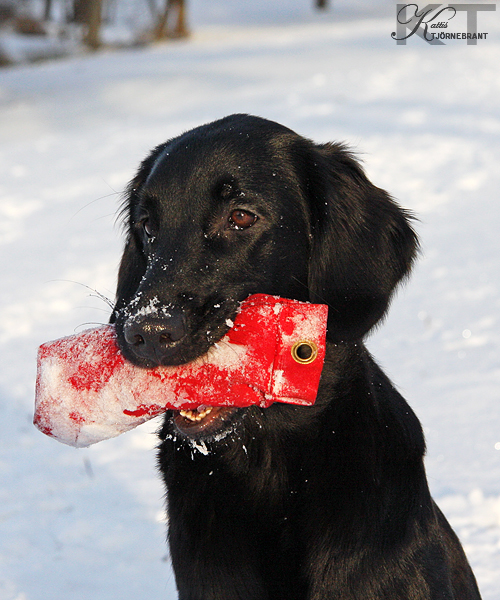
87,392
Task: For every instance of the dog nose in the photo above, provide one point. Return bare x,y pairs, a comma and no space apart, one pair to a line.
152,337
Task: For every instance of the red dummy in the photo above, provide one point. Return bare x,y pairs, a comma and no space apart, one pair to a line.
87,392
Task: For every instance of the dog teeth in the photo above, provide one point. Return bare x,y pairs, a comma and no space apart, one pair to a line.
196,415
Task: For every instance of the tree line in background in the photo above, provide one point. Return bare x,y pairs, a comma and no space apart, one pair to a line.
168,17
30,17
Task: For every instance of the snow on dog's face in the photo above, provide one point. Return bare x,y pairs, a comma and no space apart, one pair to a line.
244,206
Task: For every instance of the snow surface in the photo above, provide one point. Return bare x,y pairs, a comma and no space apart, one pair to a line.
80,524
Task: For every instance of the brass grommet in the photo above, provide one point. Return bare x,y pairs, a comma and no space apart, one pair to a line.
304,352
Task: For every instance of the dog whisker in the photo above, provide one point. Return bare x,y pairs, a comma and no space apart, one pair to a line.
89,324
114,193
95,294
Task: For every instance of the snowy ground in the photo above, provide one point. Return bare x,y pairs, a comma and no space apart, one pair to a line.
80,524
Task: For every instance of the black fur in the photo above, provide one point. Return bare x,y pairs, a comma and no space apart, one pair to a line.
286,503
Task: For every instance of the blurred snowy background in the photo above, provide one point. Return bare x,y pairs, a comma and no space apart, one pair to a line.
80,524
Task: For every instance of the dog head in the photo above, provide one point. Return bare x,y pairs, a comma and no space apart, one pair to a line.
242,206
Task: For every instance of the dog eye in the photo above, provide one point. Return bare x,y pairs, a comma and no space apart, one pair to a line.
241,219
148,228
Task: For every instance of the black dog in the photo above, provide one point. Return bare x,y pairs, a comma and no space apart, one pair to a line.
286,503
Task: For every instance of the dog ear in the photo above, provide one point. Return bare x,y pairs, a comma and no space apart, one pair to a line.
362,243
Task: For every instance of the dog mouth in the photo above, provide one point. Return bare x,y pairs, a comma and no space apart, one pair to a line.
203,421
